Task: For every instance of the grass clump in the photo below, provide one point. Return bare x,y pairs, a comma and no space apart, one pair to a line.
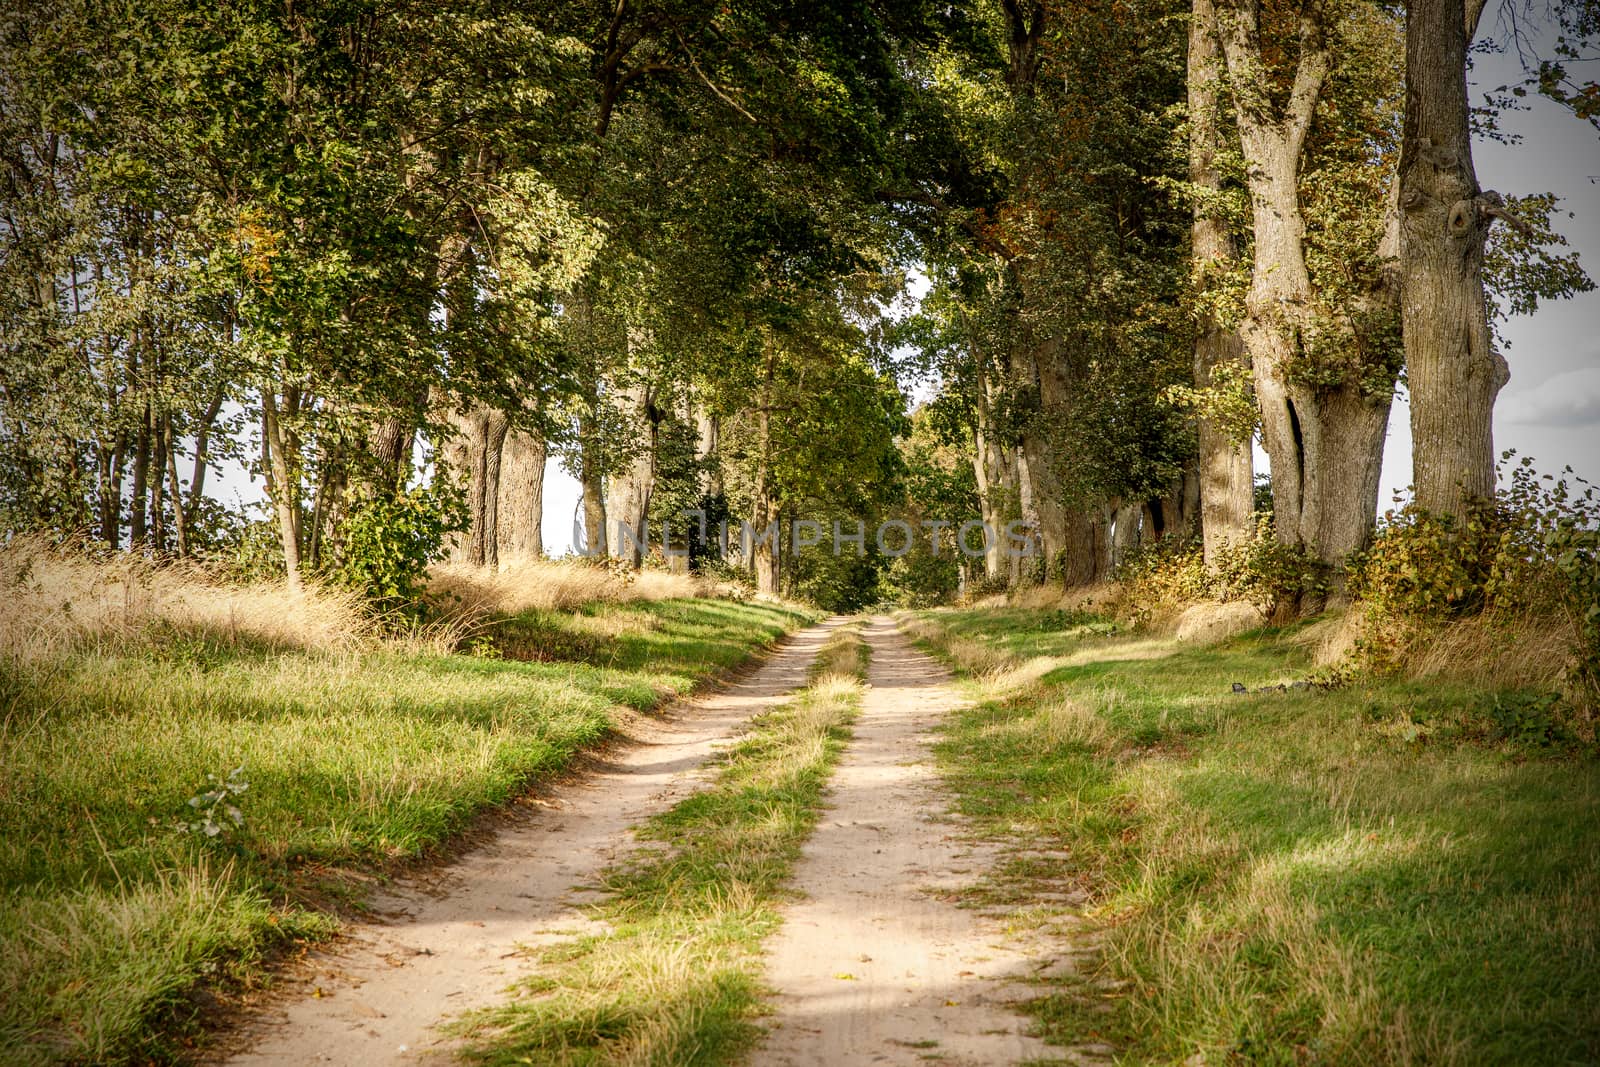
152,704
676,977
1391,872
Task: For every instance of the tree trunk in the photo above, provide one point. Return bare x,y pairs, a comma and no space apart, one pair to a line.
1086,556
521,507
180,520
111,500
1325,443
158,483
1226,472
141,474
592,479
202,449
474,453
628,503
281,485
389,446
1452,370
1127,532
764,554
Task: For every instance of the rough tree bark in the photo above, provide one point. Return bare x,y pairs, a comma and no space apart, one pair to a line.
521,507
995,468
474,456
1226,470
1452,369
628,502
1325,442
591,479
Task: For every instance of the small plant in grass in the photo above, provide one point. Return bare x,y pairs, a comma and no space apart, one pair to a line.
215,809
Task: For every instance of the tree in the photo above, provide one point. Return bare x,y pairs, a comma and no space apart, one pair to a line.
1318,316
1226,466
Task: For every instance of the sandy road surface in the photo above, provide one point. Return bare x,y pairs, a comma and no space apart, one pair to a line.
877,965
450,945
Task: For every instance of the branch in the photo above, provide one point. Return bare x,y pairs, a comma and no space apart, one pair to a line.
1310,74
724,97
1472,11
1488,205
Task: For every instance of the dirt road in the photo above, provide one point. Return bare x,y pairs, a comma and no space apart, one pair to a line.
451,945
878,966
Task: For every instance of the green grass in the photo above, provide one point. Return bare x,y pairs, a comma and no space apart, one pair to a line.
676,976
111,915
1387,873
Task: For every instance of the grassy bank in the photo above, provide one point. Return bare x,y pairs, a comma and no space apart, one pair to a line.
1389,873
676,975
352,753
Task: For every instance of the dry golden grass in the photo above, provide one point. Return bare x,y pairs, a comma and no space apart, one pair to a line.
1497,650
550,585
1102,598
56,603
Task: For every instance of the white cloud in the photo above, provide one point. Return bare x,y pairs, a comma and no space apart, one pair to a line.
1571,398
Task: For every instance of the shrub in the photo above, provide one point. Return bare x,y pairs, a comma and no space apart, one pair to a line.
1259,570
390,541
1532,554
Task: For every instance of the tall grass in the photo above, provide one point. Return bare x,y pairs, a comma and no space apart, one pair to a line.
124,687
1396,872
58,604
521,585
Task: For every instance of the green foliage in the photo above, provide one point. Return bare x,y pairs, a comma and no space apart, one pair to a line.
215,806
1260,570
389,541
1228,400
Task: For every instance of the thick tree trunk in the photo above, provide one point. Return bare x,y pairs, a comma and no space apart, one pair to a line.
1086,556
521,508
995,470
1452,370
1126,533
1325,443
474,455
389,447
1225,467
592,480
628,503
708,438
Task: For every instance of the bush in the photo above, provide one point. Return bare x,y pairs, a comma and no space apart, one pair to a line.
1533,553
1260,570
390,541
